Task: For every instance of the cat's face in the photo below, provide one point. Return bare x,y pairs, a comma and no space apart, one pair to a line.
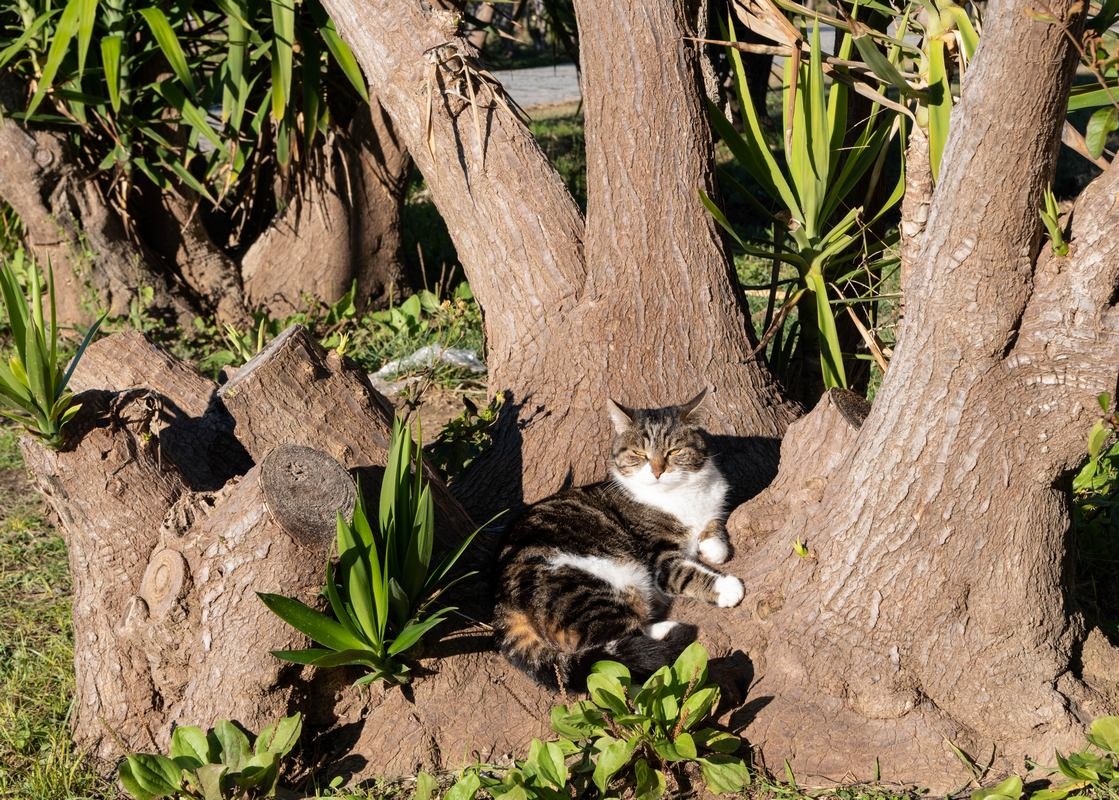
658,446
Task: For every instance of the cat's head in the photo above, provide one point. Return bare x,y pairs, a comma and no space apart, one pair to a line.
658,446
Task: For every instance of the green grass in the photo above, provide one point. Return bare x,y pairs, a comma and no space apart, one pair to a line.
37,758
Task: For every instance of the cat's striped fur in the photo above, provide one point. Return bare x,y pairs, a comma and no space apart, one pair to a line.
586,574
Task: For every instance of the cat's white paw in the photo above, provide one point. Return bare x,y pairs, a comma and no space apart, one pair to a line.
714,550
661,630
729,591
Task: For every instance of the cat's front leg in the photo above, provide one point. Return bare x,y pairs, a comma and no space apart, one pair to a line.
714,543
687,577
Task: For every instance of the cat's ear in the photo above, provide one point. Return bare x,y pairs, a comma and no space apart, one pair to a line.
621,416
687,408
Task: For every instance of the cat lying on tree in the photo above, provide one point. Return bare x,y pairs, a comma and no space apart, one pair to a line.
586,573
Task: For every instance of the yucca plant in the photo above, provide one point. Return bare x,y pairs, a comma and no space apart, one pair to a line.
33,381
383,590
821,225
197,97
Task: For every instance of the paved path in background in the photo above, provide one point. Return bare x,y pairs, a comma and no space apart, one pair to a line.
541,86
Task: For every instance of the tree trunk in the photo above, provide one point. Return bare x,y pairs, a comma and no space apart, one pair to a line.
931,607
649,314
69,225
342,225
167,549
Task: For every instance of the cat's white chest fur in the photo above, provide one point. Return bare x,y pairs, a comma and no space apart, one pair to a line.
695,498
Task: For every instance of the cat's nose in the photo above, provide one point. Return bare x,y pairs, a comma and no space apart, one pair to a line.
657,466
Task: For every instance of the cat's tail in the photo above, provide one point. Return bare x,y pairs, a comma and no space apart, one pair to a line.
556,666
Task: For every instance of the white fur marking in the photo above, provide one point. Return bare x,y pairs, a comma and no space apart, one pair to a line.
694,498
621,575
714,550
660,630
730,591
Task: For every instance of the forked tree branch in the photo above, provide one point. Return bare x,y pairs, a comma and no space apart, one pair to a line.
518,232
983,227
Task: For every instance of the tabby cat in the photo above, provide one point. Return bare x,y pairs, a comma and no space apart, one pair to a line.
585,574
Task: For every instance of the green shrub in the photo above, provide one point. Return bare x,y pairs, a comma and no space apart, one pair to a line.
383,587
33,381
201,97
625,740
221,763
1085,774
822,228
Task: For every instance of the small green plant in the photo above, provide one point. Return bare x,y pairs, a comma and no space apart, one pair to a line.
215,765
625,739
382,590
1051,218
824,190
464,437
33,381
1088,773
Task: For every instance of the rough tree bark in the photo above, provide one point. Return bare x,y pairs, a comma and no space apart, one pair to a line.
638,302
929,607
69,225
342,225
178,503
932,605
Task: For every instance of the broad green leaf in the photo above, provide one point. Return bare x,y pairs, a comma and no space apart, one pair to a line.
690,667
1010,789
156,775
1104,734
1101,125
341,609
578,721
718,741
1097,438
232,744
280,737
341,658
190,741
110,61
548,761
724,774
650,783
696,708
672,751
1083,97
613,755
260,771
86,18
344,58
128,781
412,633
465,787
36,367
425,786
306,620
613,669
210,777
607,692
685,745
169,43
